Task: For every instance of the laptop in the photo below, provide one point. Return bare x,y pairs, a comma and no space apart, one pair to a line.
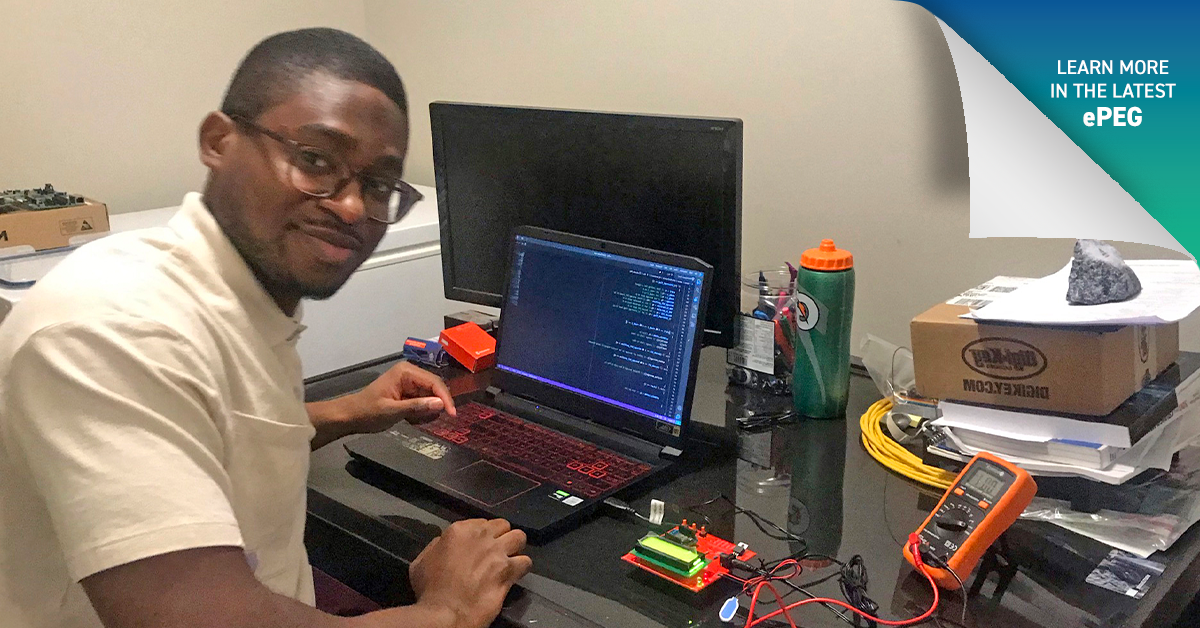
592,390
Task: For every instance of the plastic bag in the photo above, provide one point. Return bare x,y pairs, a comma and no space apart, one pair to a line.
890,366
1147,515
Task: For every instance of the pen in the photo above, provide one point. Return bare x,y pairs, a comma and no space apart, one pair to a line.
783,342
787,322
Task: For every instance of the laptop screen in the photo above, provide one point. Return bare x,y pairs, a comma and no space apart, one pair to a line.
616,329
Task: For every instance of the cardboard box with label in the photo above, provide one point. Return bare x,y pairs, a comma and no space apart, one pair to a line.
28,231
1081,370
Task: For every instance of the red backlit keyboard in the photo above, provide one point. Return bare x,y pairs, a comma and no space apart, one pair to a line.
535,451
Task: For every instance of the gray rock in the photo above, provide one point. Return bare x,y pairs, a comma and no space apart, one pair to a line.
1100,275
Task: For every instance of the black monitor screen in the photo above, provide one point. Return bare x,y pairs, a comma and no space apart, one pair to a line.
663,183
615,329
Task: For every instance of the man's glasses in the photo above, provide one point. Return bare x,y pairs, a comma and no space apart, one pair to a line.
317,172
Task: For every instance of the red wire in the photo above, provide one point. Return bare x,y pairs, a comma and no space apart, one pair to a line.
913,548
782,606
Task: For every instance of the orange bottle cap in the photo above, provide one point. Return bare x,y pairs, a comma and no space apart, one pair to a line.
827,257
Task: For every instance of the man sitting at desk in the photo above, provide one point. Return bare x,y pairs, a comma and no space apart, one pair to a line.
153,436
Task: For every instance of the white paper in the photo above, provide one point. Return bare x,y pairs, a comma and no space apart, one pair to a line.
1170,292
1028,426
1154,451
989,291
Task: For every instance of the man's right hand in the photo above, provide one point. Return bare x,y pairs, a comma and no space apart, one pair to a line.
469,569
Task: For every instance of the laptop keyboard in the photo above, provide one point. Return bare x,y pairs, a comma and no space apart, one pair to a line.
535,451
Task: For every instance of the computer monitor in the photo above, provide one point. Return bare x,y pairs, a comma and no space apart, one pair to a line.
603,330
659,182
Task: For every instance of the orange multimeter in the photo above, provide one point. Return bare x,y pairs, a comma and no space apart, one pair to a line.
983,501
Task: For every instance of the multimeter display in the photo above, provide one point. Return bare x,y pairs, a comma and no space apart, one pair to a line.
986,482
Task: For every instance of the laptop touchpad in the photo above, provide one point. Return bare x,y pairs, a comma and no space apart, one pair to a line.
486,483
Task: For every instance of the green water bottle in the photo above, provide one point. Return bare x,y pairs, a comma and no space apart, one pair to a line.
824,310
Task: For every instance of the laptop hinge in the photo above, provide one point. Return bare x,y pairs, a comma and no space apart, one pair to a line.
670,452
493,391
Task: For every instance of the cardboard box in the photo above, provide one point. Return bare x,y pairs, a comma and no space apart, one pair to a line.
52,228
470,346
1081,370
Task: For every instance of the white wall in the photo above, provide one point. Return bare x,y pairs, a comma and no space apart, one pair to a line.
853,123
105,98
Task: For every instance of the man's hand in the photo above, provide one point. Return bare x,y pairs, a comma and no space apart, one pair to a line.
469,569
178,589
404,393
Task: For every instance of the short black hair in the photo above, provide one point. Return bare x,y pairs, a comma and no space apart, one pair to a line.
272,71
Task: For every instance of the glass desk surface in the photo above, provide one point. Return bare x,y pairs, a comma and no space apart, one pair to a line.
812,477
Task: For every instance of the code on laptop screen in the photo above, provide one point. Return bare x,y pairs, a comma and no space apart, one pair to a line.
616,329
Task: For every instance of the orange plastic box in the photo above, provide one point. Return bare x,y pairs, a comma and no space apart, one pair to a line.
470,345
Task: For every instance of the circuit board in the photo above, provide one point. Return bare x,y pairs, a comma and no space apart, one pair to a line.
709,568
36,199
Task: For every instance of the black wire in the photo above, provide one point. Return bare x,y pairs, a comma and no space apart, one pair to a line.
962,589
853,582
886,522
831,608
759,521
822,580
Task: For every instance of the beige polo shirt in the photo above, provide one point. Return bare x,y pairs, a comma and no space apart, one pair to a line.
150,401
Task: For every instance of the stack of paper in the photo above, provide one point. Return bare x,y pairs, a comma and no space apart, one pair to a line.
1144,433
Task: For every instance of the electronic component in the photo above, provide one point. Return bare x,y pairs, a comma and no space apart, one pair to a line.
981,503
683,536
428,352
686,555
729,610
667,553
36,199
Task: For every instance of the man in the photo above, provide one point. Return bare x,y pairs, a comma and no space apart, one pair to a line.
153,436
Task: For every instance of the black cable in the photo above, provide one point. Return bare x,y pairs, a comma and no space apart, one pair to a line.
853,582
755,421
962,589
822,580
831,608
886,522
759,521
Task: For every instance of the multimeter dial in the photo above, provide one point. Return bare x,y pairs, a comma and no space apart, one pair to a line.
949,527
954,518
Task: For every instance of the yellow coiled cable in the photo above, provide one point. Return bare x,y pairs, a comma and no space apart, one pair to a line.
892,455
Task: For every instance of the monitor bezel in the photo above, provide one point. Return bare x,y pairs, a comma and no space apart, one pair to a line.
584,407
726,281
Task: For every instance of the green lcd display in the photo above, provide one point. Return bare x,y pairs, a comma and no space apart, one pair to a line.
682,560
